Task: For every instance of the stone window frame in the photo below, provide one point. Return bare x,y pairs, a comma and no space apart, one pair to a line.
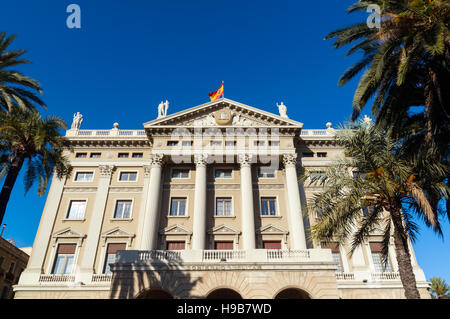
231,231
232,205
108,237
180,168
186,212
184,233
113,218
67,208
80,170
277,206
74,237
121,171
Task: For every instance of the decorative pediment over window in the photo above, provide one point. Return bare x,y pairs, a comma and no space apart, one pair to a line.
224,230
117,232
68,233
272,230
223,112
175,230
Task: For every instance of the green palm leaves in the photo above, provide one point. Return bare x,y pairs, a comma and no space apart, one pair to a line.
15,88
439,288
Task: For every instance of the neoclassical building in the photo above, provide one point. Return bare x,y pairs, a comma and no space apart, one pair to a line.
203,203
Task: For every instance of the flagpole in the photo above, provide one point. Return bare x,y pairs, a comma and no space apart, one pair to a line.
223,91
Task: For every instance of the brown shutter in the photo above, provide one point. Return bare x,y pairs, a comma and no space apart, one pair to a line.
175,245
113,248
223,245
272,245
376,247
333,246
66,249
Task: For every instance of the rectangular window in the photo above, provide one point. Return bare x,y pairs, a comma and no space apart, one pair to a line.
123,155
81,155
258,143
274,143
137,155
308,155
321,154
172,143
175,245
266,172
178,207
111,256
223,206
123,209
223,245
272,244
96,155
77,209
64,259
315,175
223,173
377,257
216,143
335,253
187,143
84,176
128,176
230,143
180,173
268,206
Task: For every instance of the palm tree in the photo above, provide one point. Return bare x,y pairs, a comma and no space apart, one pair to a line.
26,138
396,187
15,88
439,288
405,67
406,60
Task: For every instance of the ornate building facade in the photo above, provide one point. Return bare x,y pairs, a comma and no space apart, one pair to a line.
202,203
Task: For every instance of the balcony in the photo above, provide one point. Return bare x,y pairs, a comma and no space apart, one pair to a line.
345,276
217,256
57,279
382,276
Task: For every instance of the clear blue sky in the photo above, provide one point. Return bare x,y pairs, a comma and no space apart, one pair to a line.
131,54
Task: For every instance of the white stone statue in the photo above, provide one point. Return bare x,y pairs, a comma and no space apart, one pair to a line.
77,119
162,109
282,109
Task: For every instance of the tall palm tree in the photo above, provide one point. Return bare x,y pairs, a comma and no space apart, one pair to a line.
15,88
405,67
27,138
388,181
439,288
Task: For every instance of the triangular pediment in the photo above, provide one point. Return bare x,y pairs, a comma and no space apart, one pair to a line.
117,232
175,230
68,233
225,229
223,113
271,229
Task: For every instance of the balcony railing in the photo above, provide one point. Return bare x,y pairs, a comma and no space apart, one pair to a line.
102,278
345,276
106,133
385,276
56,278
238,256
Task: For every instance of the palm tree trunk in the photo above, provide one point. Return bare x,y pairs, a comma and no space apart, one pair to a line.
403,256
10,180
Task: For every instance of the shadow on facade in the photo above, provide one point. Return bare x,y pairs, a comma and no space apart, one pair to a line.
156,279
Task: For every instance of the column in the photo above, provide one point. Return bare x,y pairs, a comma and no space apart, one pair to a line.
36,262
151,220
141,221
247,209
296,228
199,233
95,225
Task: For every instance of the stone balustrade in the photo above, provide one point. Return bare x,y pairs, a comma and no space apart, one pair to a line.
106,133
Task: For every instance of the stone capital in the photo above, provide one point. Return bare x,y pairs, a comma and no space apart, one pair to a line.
290,160
245,159
157,160
201,160
106,170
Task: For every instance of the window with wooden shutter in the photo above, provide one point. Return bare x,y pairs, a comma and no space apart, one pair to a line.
223,245
175,245
64,259
111,255
272,244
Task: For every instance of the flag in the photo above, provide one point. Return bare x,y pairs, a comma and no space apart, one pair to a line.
216,94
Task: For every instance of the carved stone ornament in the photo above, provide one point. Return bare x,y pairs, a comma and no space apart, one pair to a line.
290,159
201,160
147,169
106,170
157,160
245,159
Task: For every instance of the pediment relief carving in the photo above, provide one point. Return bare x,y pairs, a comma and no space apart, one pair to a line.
272,229
117,232
68,233
175,230
224,229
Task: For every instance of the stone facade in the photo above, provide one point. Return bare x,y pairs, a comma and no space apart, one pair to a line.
204,199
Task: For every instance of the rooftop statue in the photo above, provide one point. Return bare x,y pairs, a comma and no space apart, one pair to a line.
77,120
282,109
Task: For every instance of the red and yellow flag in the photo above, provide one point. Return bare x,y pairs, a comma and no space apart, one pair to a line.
216,94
